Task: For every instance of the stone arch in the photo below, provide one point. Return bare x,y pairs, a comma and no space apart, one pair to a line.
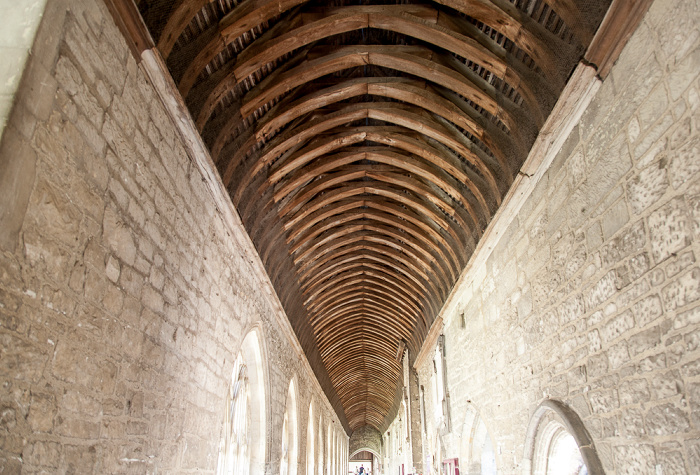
252,350
329,451
310,441
290,432
365,438
321,456
245,411
551,425
477,455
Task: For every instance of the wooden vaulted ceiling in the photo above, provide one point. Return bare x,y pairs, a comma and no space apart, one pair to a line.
366,145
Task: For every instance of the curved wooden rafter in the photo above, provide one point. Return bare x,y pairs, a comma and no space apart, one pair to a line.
407,118
380,265
242,19
382,173
420,256
393,137
403,19
420,247
381,279
409,91
394,220
417,61
385,304
376,254
398,227
366,148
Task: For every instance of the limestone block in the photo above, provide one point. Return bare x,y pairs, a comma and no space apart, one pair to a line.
682,291
647,310
669,229
671,462
653,136
632,424
617,326
615,218
631,240
666,419
80,459
600,291
652,363
42,454
690,317
684,73
682,132
647,187
654,105
575,261
603,401
618,354
684,163
679,263
42,412
612,165
644,340
666,384
636,459
20,359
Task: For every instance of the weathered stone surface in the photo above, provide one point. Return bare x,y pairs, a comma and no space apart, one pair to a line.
669,230
635,459
666,419
684,290
124,294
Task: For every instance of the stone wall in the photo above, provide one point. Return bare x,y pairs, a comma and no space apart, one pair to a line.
125,292
591,296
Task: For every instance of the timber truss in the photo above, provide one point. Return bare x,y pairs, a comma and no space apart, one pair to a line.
367,145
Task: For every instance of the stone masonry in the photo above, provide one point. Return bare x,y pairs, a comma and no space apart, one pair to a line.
124,294
592,295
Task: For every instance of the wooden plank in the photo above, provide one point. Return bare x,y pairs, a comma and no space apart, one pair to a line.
620,22
240,20
522,30
128,19
182,14
399,58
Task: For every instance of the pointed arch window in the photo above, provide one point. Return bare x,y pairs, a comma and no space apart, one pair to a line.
288,457
310,439
234,449
557,442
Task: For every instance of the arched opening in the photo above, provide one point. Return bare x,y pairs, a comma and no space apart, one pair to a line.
288,456
242,442
329,445
310,439
477,455
364,458
557,442
320,445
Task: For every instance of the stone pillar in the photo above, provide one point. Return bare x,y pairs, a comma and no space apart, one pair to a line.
412,395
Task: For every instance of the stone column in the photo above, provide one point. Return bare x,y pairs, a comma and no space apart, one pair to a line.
412,395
